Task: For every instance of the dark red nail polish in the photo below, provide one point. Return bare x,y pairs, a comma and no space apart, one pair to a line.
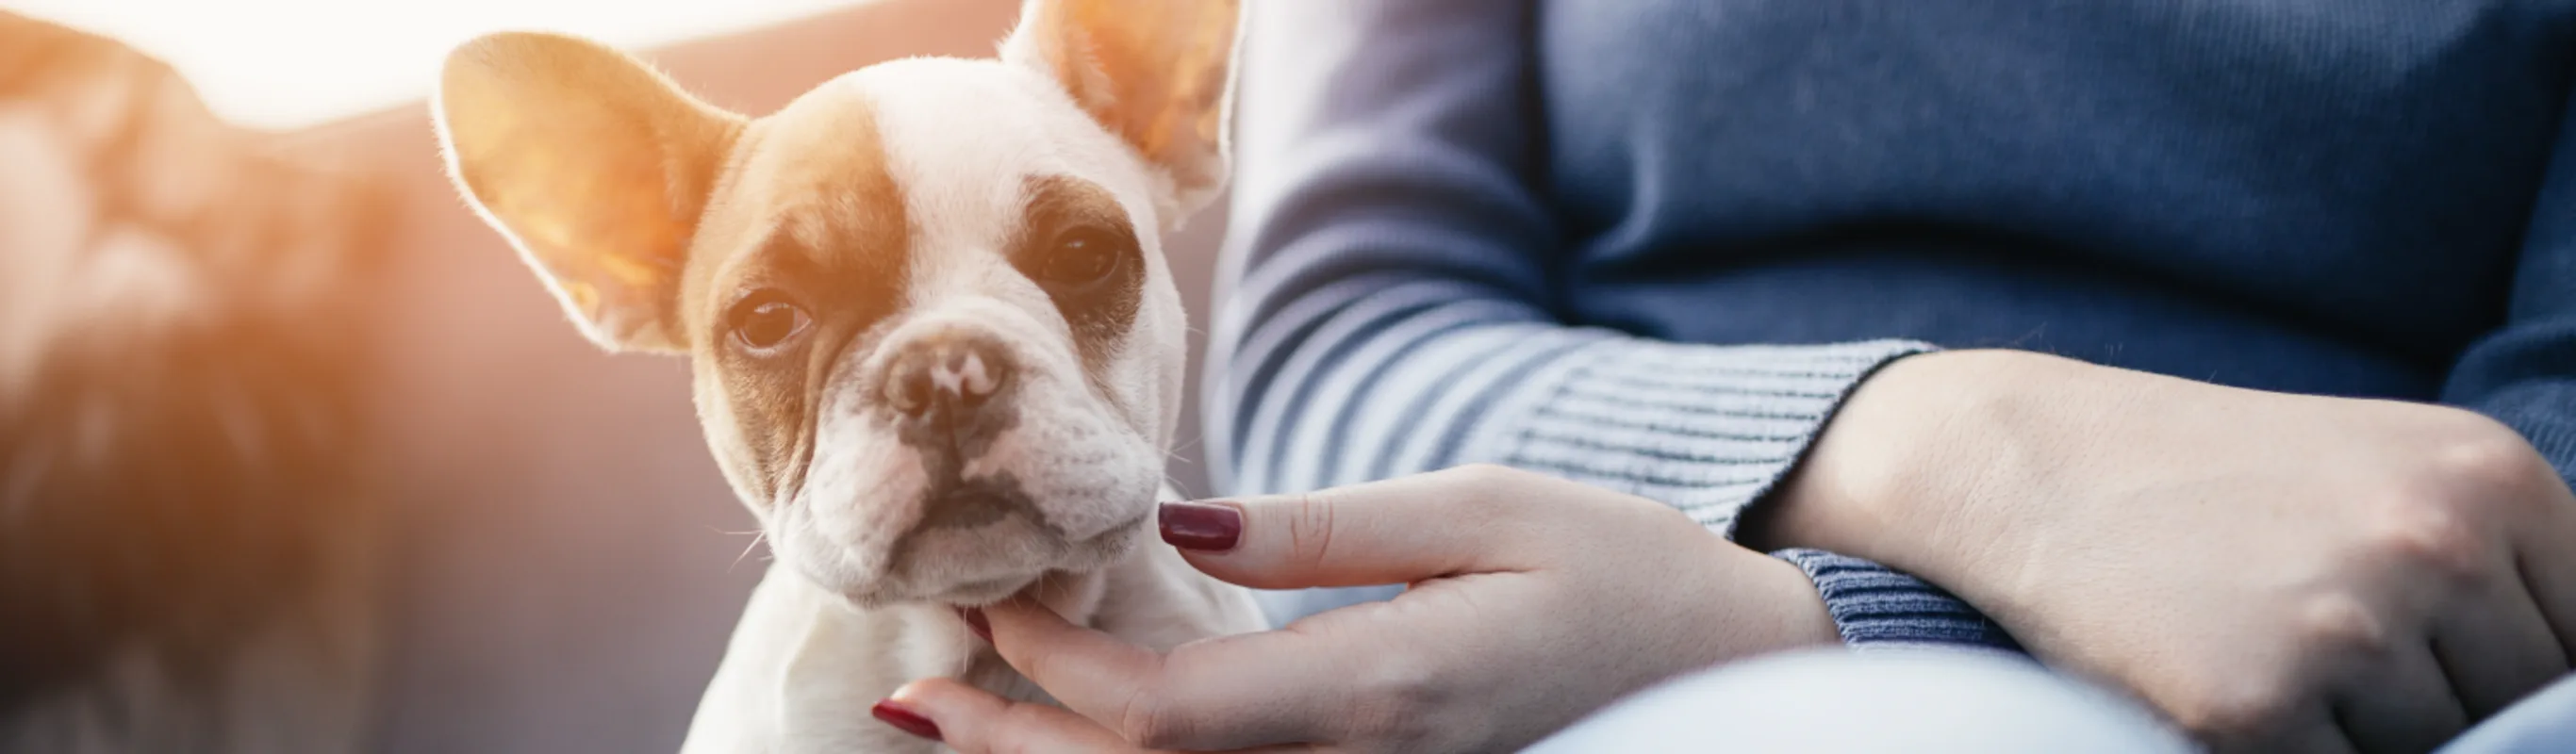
1201,526
905,719
975,622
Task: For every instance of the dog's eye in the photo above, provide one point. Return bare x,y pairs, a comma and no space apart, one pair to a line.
764,320
1082,256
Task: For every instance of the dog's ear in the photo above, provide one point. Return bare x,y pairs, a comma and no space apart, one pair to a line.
1158,73
594,165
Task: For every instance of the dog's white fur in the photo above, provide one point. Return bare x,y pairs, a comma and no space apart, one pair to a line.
547,136
961,181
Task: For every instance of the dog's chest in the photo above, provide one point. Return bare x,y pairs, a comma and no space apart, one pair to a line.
803,669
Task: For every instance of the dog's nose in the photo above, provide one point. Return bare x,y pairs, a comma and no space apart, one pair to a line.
954,372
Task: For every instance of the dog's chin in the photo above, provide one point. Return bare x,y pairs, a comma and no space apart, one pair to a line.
969,581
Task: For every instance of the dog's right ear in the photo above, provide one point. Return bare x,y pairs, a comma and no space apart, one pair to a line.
594,165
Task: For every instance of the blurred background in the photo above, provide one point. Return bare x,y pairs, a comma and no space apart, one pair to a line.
252,346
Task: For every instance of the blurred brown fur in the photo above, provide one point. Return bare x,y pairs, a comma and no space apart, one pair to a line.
184,548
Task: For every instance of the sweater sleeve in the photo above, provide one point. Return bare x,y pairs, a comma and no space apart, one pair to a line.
1386,303
2524,373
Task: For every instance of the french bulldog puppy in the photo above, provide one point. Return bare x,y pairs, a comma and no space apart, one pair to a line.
937,350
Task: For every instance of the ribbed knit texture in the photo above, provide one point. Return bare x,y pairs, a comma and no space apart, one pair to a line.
1551,233
1878,608
1707,430
1393,336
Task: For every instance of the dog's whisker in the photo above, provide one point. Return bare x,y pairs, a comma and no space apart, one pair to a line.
1184,446
756,537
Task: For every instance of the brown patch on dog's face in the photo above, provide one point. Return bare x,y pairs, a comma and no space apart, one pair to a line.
937,350
1075,241
922,409
803,263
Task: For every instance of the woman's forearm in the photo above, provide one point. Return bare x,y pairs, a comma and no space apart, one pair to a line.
1888,476
2234,556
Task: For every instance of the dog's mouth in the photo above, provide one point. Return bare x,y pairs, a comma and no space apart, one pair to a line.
974,503
986,592
1072,558
1096,552
979,541
895,518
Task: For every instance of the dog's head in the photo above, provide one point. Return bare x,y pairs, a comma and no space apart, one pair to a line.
937,349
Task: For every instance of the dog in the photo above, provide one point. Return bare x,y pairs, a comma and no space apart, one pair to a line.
187,548
936,348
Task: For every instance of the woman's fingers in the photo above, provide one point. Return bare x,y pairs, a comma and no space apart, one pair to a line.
1390,532
2312,733
2499,650
1305,683
2404,704
973,721
1208,695
2548,565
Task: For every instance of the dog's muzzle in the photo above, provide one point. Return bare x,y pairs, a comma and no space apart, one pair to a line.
951,392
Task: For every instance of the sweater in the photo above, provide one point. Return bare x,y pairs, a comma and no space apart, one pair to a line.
1651,244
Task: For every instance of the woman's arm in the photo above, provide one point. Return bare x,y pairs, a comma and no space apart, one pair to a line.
2264,567
1390,313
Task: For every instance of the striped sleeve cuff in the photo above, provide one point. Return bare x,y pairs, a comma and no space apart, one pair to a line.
1711,430
1419,380
1877,608
1705,429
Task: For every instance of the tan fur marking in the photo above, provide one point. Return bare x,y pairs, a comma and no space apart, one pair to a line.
811,210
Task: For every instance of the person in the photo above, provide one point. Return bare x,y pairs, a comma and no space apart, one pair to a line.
2222,354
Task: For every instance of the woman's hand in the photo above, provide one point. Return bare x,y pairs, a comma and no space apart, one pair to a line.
2275,572
1533,602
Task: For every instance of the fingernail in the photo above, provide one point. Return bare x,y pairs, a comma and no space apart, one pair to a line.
904,719
1201,526
975,622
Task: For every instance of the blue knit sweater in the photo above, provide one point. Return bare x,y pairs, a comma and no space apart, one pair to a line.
1650,244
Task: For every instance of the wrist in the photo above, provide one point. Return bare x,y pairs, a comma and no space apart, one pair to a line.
1891,476
1787,610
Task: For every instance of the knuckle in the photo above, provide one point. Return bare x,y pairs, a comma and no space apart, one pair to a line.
1036,664
1486,481
1020,729
1412,736
1146,721
2434,536
2237,709
2479,462
2469,485
2341,623
1153,717
1484,490
1397,733
1310,529
1397,696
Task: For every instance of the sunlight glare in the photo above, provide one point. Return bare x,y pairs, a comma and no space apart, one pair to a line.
290,63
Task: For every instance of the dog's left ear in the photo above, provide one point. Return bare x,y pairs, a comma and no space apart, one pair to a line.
1158,73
